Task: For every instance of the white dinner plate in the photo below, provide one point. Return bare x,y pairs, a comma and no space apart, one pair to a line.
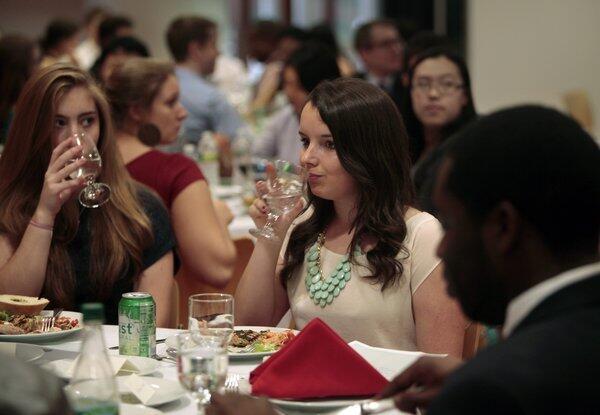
171,343
128,409
315,405
43,337
23,351
62,367
165,390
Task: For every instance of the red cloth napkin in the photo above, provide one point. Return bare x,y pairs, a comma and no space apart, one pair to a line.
316,364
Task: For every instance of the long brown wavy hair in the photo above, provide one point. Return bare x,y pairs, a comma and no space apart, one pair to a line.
372,145
119,230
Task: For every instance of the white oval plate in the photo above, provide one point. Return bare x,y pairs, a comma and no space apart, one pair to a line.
171,343
166,390
315,405
23,351
42,337
61,367
128,409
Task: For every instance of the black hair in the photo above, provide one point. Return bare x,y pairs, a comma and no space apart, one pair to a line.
540,161
128,44
372,146
322,33
362,37
421,41
109,27
413,125
186,29
313,62
57,31
293,32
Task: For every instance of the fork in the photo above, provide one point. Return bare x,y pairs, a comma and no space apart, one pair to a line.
47,323
232,382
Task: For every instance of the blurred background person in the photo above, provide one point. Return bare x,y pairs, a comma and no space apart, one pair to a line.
322,33
89,49
262,41
59,42
144,94
19,57
290,38
302,72
380,48
116,52
113,26
440,103
50,245
192,41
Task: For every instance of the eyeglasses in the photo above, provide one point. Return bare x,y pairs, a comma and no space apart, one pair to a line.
443,87
386,44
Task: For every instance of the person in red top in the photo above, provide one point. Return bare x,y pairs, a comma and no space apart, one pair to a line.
144,95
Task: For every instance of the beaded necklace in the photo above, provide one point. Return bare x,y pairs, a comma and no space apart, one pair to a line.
324,290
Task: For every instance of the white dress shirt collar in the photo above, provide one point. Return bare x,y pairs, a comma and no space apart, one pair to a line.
524,303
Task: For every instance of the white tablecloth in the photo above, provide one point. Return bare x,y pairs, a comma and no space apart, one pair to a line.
69,348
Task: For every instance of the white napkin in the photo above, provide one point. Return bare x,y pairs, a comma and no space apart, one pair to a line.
388,362
9,349
140,389
118,364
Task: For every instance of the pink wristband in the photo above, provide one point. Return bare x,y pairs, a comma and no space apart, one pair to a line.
41,225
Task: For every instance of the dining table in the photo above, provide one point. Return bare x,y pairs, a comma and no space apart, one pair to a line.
68,348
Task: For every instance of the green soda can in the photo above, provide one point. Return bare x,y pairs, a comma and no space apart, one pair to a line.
137,325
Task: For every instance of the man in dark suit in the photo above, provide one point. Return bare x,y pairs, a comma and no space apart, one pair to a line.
381,49
518,194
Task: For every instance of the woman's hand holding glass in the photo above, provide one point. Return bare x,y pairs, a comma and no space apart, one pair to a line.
279,202
57,189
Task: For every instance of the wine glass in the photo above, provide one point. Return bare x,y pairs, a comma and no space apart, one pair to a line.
93,194
202,364
285,184
211,314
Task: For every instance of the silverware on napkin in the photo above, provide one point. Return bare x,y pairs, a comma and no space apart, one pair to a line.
369,407
117,346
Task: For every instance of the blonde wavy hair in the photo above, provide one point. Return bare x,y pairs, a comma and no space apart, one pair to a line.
119,231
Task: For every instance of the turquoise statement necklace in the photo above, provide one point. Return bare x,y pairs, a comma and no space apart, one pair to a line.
320,289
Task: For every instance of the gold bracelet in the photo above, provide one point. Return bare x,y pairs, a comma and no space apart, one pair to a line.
41,225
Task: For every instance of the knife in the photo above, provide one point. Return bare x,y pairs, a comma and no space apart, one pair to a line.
157,342
369,407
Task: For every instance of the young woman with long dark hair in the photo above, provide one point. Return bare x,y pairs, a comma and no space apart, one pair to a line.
359,256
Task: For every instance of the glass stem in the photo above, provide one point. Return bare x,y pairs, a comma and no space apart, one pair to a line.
271,219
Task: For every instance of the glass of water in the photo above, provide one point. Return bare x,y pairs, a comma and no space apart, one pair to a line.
285,184
211,313
94,194
202,364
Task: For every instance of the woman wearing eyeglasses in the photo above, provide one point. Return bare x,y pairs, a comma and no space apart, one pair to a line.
438,104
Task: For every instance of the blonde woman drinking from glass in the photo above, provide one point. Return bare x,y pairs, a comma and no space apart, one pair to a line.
49,244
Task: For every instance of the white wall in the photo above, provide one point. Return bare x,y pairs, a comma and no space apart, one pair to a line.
30,17
152,17
532,51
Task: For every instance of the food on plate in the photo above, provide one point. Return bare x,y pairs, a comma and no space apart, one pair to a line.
259,341
27,323
21,304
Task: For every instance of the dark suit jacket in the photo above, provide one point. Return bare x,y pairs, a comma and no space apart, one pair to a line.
396,92
550,364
